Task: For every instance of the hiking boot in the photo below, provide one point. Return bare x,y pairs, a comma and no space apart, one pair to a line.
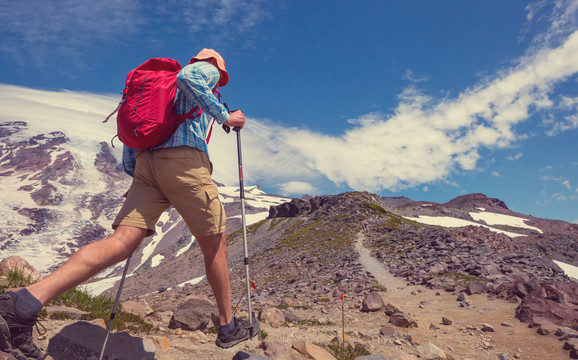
243,331
16,330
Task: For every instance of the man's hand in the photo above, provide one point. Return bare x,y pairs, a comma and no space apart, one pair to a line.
236,119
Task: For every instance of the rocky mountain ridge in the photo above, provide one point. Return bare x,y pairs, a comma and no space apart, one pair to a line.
493,286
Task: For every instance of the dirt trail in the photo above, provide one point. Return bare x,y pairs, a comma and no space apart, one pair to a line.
428,306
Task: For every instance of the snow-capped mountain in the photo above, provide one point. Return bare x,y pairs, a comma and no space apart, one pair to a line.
62,187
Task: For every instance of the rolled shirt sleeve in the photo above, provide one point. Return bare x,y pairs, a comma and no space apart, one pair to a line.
197,81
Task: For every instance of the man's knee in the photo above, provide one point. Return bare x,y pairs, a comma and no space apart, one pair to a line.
130,237
114,248
211,244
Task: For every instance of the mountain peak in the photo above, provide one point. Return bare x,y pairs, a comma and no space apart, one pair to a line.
477,200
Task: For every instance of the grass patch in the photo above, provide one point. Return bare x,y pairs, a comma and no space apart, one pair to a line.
275,222
96,307
311,322
262,334
100,307
15,279
375,285
376,208
346,352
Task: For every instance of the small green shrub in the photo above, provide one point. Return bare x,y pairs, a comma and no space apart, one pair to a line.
100,307
346,352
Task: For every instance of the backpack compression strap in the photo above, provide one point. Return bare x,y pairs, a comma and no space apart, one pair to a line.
212,122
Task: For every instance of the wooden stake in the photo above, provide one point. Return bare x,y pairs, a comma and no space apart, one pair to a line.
342,328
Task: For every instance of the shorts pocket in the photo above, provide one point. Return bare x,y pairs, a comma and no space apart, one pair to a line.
212,194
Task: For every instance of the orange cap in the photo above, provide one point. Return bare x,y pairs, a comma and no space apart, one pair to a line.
213,57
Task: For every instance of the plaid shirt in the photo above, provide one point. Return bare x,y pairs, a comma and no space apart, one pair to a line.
195,84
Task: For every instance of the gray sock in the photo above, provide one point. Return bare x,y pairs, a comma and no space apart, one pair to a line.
229,328
26,304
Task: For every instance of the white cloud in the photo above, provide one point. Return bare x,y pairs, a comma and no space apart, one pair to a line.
297,187
559,125
414,78
566,183
515,157
496,173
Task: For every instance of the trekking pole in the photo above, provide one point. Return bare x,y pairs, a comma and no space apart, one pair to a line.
112,315
242,195
243,222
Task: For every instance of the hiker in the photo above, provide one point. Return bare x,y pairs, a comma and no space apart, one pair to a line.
177,173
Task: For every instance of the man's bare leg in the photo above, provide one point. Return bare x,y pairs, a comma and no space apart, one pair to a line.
214,248
88,261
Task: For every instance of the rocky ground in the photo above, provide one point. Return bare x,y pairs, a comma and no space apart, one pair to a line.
486,328
410,291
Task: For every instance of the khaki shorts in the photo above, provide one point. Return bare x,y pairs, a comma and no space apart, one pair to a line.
180,177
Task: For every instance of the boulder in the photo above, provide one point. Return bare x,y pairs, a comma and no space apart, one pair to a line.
243,355
194,314
534,306
402,320
272,317
475,287
135,308
16,263
311,351
391,309
86,335
372,302
429,351
273,349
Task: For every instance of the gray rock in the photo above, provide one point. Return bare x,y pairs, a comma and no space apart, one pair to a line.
372,302
429,351
402,320
566,333
272,317
391,309
289,316
371,357
194,314
85,335
242,355
446,321
274,349
387,330
476,287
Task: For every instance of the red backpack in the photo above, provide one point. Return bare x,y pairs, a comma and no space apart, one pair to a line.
146,117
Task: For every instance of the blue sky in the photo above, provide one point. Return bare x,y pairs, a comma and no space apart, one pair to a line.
424,99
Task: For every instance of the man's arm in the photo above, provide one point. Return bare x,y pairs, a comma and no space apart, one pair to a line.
197,82
128,160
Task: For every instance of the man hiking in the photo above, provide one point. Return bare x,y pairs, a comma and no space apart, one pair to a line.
177,173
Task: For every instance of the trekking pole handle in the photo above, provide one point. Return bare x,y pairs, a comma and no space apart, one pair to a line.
227,128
